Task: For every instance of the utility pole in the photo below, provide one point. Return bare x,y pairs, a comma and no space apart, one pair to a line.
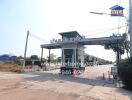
25,49
130,25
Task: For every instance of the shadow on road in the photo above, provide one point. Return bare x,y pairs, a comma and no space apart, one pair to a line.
125,92
49,76
42,77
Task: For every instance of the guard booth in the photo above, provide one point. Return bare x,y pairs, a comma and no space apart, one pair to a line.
72,53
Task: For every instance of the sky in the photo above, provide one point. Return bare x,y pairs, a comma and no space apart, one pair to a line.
47,18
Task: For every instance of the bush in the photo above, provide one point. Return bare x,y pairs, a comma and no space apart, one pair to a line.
125,72
16,68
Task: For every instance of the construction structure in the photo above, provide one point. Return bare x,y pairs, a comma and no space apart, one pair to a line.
72,47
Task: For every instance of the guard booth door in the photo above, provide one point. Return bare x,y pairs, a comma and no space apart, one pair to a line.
68,60
68,57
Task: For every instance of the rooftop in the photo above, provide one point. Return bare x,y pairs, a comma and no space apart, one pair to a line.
70,34
117,7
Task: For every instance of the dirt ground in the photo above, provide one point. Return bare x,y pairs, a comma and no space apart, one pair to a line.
50,85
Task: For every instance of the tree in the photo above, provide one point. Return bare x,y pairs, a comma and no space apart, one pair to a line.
58,59
119,48
20,57
44,59
125,72
34,57
86,60
19,60
52,58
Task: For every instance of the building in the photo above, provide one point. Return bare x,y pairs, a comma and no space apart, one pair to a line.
7,58
72,53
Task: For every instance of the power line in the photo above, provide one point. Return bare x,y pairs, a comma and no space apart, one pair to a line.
120,2
37,37
106,31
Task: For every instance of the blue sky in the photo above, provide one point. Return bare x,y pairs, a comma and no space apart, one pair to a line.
16,17
46,18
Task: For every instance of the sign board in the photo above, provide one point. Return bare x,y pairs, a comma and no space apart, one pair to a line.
114,71
117,11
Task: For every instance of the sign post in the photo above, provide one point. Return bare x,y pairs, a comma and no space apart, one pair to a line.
114,71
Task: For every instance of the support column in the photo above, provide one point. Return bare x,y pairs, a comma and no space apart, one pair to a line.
63,58
49,57
94,60
82,61
75,57
42,55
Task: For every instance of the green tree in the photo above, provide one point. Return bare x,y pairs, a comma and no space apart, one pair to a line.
19,57
44,59
119,47
19,60
52,58
34,57
86,60
125,72
58,59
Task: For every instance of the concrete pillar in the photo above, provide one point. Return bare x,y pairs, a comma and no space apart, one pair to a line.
75,57
49,58
42,55
94,60
63,58
82,57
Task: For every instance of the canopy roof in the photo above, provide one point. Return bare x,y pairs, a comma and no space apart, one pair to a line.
70,34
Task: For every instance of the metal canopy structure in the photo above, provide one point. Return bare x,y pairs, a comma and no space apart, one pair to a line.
51,46
70,34
82,40
72,49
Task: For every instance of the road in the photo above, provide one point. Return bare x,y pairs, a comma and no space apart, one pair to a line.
50,85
